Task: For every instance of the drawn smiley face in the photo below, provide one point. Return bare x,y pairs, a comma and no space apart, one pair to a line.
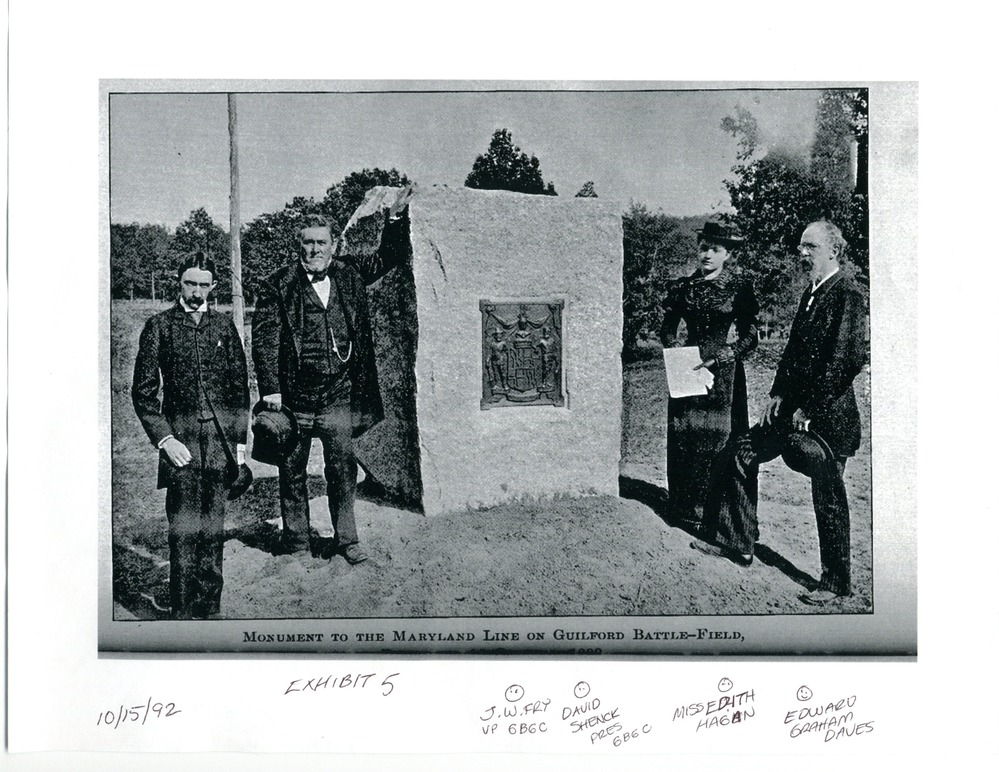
804,694
514,692
725,685
581,689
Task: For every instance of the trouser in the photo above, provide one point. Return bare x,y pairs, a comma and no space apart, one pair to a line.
333,426
731,507
195,507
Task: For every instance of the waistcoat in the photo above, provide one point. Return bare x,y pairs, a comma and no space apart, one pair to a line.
326,345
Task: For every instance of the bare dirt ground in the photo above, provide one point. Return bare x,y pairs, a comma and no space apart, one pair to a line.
596,556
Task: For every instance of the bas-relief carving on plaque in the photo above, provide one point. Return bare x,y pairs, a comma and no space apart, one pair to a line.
521,354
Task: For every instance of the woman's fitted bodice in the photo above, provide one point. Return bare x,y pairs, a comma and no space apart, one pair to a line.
710,307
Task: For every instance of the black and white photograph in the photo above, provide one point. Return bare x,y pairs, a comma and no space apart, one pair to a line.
460,363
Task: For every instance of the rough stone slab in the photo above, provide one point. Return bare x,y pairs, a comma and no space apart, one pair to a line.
470,245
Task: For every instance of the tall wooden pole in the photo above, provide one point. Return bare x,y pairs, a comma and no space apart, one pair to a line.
234,253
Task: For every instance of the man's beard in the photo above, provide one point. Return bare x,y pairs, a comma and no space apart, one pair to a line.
315,266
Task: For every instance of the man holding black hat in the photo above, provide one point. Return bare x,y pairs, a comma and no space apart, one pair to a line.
812,421
315,364
193,358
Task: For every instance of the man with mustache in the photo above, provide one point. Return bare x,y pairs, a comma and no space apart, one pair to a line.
192,357
812,421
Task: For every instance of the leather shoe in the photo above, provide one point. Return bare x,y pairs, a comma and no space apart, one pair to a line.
354,554
819,597
723,552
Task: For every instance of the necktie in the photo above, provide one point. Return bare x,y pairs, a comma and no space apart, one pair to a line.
811,297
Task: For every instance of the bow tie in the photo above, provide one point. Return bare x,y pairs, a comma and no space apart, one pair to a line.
316,278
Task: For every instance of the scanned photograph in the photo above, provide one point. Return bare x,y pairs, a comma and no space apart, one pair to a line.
486,370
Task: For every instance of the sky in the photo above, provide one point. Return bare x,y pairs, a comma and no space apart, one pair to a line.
169,153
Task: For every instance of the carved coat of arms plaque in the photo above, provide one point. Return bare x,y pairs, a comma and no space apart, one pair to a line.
521,354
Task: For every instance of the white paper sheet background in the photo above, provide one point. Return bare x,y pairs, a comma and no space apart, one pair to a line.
58,688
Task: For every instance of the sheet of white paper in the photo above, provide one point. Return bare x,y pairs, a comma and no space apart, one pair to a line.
393,199
682,379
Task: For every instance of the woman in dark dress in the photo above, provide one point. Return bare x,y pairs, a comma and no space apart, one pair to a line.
712,300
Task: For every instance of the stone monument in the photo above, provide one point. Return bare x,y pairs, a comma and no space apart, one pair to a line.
499,349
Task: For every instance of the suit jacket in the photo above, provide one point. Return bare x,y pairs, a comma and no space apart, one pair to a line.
826,350
166,366
279,319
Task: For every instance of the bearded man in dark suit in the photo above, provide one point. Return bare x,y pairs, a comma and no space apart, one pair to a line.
313,354
812,421
190,392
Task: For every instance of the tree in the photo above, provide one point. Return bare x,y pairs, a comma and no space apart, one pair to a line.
657,247
775,194
505,167
841,135
126,266
587,191
153,242
830,161
744,127
199,233
774,198
140,259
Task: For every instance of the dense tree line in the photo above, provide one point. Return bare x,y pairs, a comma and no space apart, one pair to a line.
144,257
139,259
773,195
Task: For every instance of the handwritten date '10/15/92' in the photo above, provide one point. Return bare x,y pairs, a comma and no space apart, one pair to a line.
137,713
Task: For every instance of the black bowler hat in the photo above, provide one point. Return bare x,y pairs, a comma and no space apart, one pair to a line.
717,233
274,434
240,482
